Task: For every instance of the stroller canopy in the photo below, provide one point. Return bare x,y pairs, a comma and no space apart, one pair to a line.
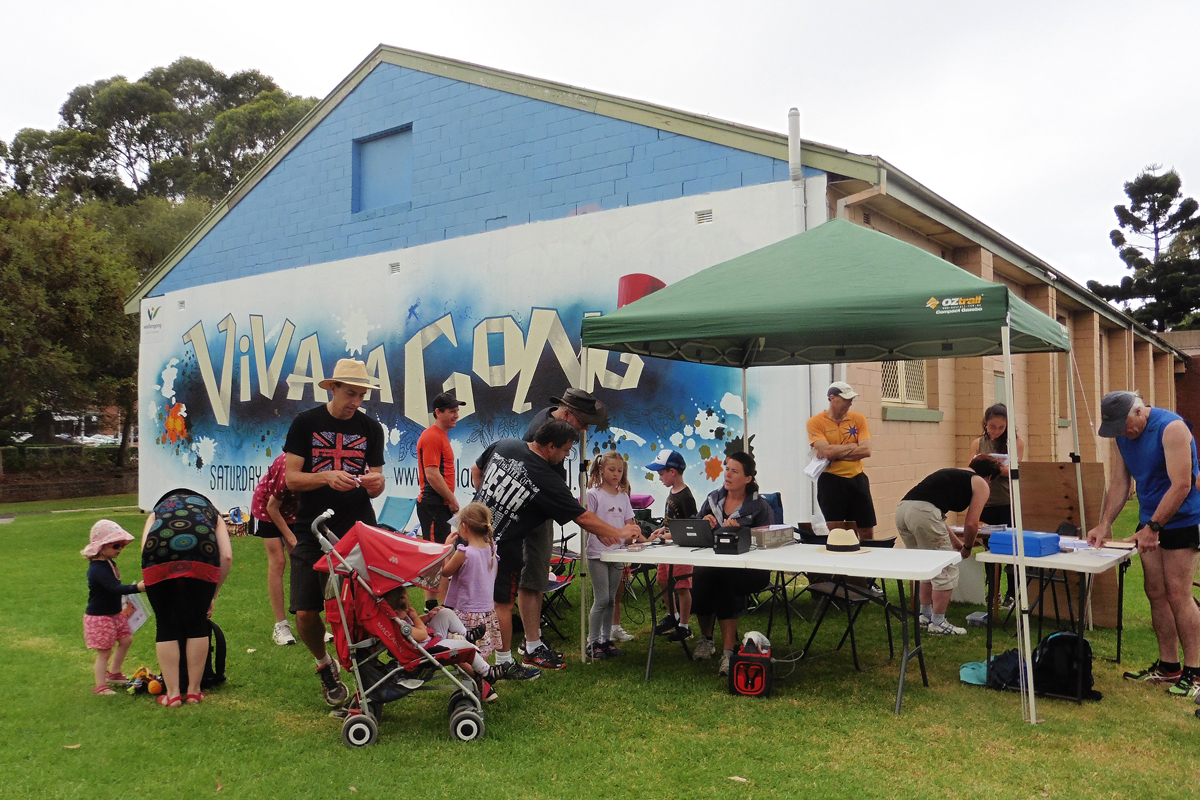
385,560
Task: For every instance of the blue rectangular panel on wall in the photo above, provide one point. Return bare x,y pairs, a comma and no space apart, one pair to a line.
383,170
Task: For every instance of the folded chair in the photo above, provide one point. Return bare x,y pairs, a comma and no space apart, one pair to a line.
851,599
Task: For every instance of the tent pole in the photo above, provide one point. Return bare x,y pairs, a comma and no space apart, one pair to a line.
745,415
1077,459
583,571
1028,701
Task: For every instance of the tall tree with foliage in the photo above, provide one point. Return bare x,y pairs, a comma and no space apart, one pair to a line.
67,344
1155,238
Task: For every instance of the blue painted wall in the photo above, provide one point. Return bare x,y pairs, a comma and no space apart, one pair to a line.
482,159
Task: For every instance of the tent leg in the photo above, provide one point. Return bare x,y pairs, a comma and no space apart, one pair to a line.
583,571
745,415
1078,459
1028,700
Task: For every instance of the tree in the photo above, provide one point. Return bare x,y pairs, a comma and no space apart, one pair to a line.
67,343
1164,290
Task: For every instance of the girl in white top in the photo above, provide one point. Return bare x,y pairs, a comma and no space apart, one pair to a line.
607,498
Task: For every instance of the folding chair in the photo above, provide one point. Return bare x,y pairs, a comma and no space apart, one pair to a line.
397,512
851,599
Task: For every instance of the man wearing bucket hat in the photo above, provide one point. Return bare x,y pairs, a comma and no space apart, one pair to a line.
1158,452
581,409
334,461
842,436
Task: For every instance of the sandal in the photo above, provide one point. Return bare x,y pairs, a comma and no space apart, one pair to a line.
117,677
194,699
104,690
169,703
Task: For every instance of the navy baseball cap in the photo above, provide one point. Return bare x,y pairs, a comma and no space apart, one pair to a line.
668,459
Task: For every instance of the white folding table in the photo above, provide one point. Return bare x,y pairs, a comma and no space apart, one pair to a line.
1085,561
899,565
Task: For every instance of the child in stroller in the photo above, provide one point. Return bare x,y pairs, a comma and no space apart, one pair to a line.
391,652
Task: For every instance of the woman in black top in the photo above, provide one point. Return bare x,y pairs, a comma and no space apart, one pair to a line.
716,591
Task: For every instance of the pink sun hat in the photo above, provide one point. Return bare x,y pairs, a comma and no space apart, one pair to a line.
104,532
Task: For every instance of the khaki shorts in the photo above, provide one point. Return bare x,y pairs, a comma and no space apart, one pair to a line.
922,526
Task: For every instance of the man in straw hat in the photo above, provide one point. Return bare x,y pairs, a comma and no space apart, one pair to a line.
580,409
334,461
921,520
1159,453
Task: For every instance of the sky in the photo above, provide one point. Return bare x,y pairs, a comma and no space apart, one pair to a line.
1029,116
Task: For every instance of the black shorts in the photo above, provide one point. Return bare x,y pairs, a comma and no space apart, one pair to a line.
307,584
1180,538
181,608
508,580
435,521
846,499
267,530
996,515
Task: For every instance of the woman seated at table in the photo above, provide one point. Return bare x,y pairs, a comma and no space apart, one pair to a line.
717,592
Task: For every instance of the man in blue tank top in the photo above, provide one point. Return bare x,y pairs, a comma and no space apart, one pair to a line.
1158,452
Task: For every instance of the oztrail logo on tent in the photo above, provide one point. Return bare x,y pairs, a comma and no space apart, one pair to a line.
955,305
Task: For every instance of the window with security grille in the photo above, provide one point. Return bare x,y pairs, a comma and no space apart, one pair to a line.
904,382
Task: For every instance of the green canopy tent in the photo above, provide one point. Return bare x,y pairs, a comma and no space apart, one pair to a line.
835,294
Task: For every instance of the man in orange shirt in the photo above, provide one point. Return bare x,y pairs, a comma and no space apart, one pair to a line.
842,436
435,472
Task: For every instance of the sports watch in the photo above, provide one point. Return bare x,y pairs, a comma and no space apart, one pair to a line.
1154,526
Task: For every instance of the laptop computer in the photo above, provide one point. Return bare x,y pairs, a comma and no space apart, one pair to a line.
691,532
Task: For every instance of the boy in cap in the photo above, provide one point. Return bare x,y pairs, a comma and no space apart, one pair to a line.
680,505
1158,452
436,503
842,436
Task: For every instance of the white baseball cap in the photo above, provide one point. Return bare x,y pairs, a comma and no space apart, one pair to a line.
841,389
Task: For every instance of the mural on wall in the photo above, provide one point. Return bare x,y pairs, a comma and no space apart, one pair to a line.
226,367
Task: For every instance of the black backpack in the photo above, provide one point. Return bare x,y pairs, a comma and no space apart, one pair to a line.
1057,666
214,665
1005,670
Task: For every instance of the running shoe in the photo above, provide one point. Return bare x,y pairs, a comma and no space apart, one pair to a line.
1186,686
1009,604
332,687
666,625
610,649
681,634
282,635
724,668
544,658
516,671
924,620
944,628
1154,673
705,649
619,634
596,651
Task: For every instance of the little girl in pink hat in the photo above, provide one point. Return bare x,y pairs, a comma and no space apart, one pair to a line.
105,628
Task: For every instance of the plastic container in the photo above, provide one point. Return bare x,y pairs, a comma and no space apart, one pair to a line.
1037,543
769,536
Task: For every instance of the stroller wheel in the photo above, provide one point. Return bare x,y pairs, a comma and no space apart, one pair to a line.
459,700
467,725
359,730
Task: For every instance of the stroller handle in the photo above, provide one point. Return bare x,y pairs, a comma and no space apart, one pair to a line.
322,532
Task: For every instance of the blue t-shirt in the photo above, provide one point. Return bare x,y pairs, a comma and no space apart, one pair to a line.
1147,463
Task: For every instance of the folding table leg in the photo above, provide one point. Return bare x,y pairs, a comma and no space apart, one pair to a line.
1084,580
1121,603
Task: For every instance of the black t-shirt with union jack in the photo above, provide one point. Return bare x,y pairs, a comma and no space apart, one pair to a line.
327,443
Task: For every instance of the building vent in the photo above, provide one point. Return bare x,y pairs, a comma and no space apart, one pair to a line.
704,217
394,268
866,218
182,305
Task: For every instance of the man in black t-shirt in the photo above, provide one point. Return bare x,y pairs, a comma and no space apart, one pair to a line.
334,461
580,409
921,520
518,482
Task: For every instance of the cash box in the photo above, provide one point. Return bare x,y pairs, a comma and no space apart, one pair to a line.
732,541
1037,543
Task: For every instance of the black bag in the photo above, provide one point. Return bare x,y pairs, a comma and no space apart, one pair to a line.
214,665
1057,666
1005,670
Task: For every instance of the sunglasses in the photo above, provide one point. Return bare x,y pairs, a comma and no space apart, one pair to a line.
120,546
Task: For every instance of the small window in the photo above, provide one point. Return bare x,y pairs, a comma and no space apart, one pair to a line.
904,382
383,170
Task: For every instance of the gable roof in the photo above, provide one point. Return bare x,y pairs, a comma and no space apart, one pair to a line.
917,206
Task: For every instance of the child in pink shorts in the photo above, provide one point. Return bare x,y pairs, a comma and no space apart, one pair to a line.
105,628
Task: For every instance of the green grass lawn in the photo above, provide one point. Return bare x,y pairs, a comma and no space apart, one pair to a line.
588,731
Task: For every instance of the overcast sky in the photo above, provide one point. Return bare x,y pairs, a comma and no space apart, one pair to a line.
1027,115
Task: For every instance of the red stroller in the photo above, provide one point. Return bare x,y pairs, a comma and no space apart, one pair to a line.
387,662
